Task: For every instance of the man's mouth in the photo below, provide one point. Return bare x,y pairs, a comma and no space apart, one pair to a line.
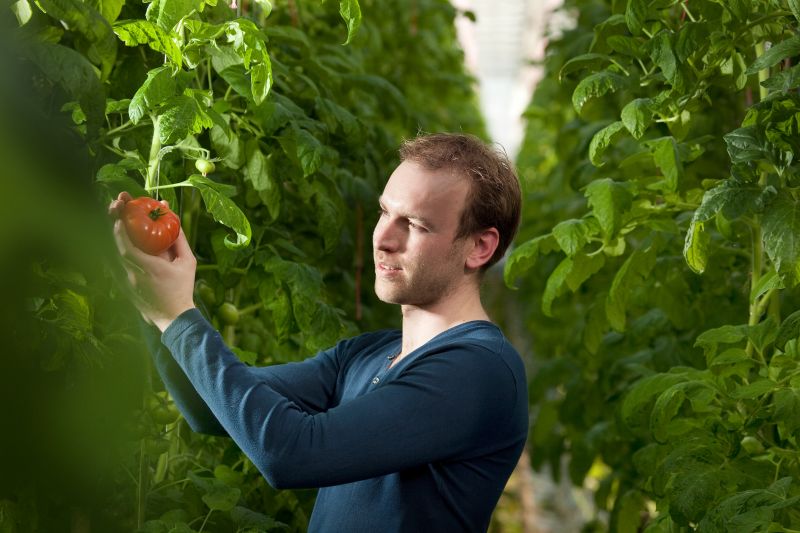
387,267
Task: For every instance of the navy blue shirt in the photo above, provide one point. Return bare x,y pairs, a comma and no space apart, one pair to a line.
426,444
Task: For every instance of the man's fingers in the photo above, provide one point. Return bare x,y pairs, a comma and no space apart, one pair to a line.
181,247
129,252
115,207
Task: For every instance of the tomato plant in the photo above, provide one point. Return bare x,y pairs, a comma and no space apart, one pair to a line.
659,242
150,224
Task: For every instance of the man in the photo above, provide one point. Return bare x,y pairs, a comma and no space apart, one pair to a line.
414,430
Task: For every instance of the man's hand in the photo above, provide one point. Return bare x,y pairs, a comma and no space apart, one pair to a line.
163,285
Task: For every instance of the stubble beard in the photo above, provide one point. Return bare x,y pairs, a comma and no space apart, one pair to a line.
417,289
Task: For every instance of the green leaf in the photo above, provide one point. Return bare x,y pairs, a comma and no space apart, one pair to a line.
115,177
749,511
583,61
260,173
572,235
159,86
641,396
584,266
136,32
247,518
84,19
228,146
609,200
230,66
329,216
167,13
303,148
783,81
222,497
667,156
770,280
635,15
637,116
695,247
223,210
351,13
756,389
316,319
336,117
666,407
785,406
596,85
628,512
70,70
523,257
602,140
181,116
692,37
378,87
732,198
555,285
777,53
695,485
745,144
22,10
789,329
730,361
781,227
109,9
633,271
762,334
626,45
727,334
661,54
794,5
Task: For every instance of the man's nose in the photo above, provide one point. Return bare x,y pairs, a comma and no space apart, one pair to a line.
386,236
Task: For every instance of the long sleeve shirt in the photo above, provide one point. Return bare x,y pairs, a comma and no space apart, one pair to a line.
426,444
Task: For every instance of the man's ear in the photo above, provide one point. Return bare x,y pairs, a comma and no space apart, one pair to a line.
484,244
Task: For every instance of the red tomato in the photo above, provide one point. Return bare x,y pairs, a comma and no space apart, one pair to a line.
151,225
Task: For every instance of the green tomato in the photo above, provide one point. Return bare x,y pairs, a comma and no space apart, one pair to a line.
161,408
228,313
204,166
752,445
206,293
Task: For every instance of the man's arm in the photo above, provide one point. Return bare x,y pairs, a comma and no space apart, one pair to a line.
309,384
452,405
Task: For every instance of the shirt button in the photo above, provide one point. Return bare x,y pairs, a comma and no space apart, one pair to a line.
375,380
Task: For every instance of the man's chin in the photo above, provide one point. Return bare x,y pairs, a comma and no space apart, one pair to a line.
387,296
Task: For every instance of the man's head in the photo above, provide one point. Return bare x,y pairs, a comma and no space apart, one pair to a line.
493,198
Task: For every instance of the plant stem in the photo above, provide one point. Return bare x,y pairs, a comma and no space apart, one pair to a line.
252,308
151,183
763,74
141,488
757,266
205,520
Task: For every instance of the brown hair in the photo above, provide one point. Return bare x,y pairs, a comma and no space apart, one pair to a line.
494,199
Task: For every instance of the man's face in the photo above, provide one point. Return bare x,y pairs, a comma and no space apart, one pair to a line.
417,259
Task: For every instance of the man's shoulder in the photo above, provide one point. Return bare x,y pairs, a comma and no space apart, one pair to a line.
480,346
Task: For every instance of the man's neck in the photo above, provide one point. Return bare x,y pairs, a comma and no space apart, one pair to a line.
421,324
